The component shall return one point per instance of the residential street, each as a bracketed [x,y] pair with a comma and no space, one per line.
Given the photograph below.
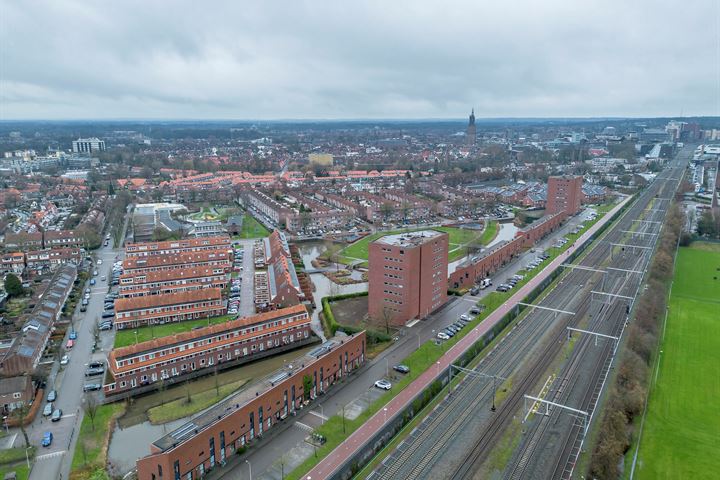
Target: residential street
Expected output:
[68,381]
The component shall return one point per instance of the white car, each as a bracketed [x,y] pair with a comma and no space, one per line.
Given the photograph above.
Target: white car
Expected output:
[383,384]
[465,317]
[65,360]
[99,262]
[443,336]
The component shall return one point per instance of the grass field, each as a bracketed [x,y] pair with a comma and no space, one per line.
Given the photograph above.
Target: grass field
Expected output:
[251,228]
[91,448]
[20,469]
[681,437]
[127,336]
[458,238]
[180,408]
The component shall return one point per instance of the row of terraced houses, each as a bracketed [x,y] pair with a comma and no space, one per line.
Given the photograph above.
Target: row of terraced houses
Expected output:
[184,355]
[172,281]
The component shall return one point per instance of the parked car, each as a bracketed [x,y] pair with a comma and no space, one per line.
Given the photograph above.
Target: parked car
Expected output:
[70,344]
[475,310]
[56,415]
[92,281]
[73,335]
[401,368]
[108,314]
[65,360]
[443,336]
[47,439]
[48,409]
[383,384]
[466,317]
[91,372]
[52,396]
[89,387]
[96,365]
[83,308]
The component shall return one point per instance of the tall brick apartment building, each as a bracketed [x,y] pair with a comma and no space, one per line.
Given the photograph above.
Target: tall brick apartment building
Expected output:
[408,275]
[564,194]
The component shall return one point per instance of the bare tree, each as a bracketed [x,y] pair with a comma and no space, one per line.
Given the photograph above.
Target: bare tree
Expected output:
[161,389]
[20,415]
[91,406]
[387,316]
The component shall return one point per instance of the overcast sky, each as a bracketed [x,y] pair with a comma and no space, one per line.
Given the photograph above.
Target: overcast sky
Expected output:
[270,59]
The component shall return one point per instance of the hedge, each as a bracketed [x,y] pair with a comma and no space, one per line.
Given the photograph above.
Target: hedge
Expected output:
[373,335]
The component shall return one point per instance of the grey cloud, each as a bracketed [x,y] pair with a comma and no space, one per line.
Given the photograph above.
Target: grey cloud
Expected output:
[329,59]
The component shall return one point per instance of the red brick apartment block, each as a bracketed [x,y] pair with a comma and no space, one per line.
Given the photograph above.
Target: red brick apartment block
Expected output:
[132,312]
[564,195]
[408,275]
[177,246]
[179,356]
[171,281]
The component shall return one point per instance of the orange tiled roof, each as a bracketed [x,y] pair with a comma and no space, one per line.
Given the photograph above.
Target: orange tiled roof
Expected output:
[149,301]
[175,259]
[218,328]
[165,275]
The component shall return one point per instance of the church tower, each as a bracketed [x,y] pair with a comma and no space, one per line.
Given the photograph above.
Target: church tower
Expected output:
[471,132]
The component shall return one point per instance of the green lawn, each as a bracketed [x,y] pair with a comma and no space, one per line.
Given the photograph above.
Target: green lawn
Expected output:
[127,336]
[251,228]
[179,408]
[90,450]
[20,469]
[681,437]
[458,238]
[14,455]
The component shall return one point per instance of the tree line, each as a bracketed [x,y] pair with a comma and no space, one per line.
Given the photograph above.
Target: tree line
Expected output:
[626,398]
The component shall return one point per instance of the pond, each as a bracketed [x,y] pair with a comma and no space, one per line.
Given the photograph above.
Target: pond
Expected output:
[324,287]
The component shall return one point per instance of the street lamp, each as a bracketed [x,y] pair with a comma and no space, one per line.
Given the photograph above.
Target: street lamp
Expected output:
[385,413]
[249,467]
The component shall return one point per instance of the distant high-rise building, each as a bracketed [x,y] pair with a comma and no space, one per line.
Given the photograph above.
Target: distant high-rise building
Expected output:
[564,194]
[408,276]
[471,132]
[88,145]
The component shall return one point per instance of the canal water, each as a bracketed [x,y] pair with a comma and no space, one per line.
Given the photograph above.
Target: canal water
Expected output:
[324,287]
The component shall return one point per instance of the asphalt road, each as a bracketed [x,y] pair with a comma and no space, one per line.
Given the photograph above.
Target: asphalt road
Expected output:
[55,461]
[266,454]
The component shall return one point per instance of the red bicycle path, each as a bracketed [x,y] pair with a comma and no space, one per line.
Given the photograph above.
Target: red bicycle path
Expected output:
[350,446]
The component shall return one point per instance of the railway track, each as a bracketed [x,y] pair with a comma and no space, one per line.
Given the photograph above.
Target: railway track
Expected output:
[493,432]
[586,380]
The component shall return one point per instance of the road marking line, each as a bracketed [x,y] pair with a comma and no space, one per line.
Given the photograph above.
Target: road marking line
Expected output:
[69,415]
[302,426]
[50,455]
[318,415]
